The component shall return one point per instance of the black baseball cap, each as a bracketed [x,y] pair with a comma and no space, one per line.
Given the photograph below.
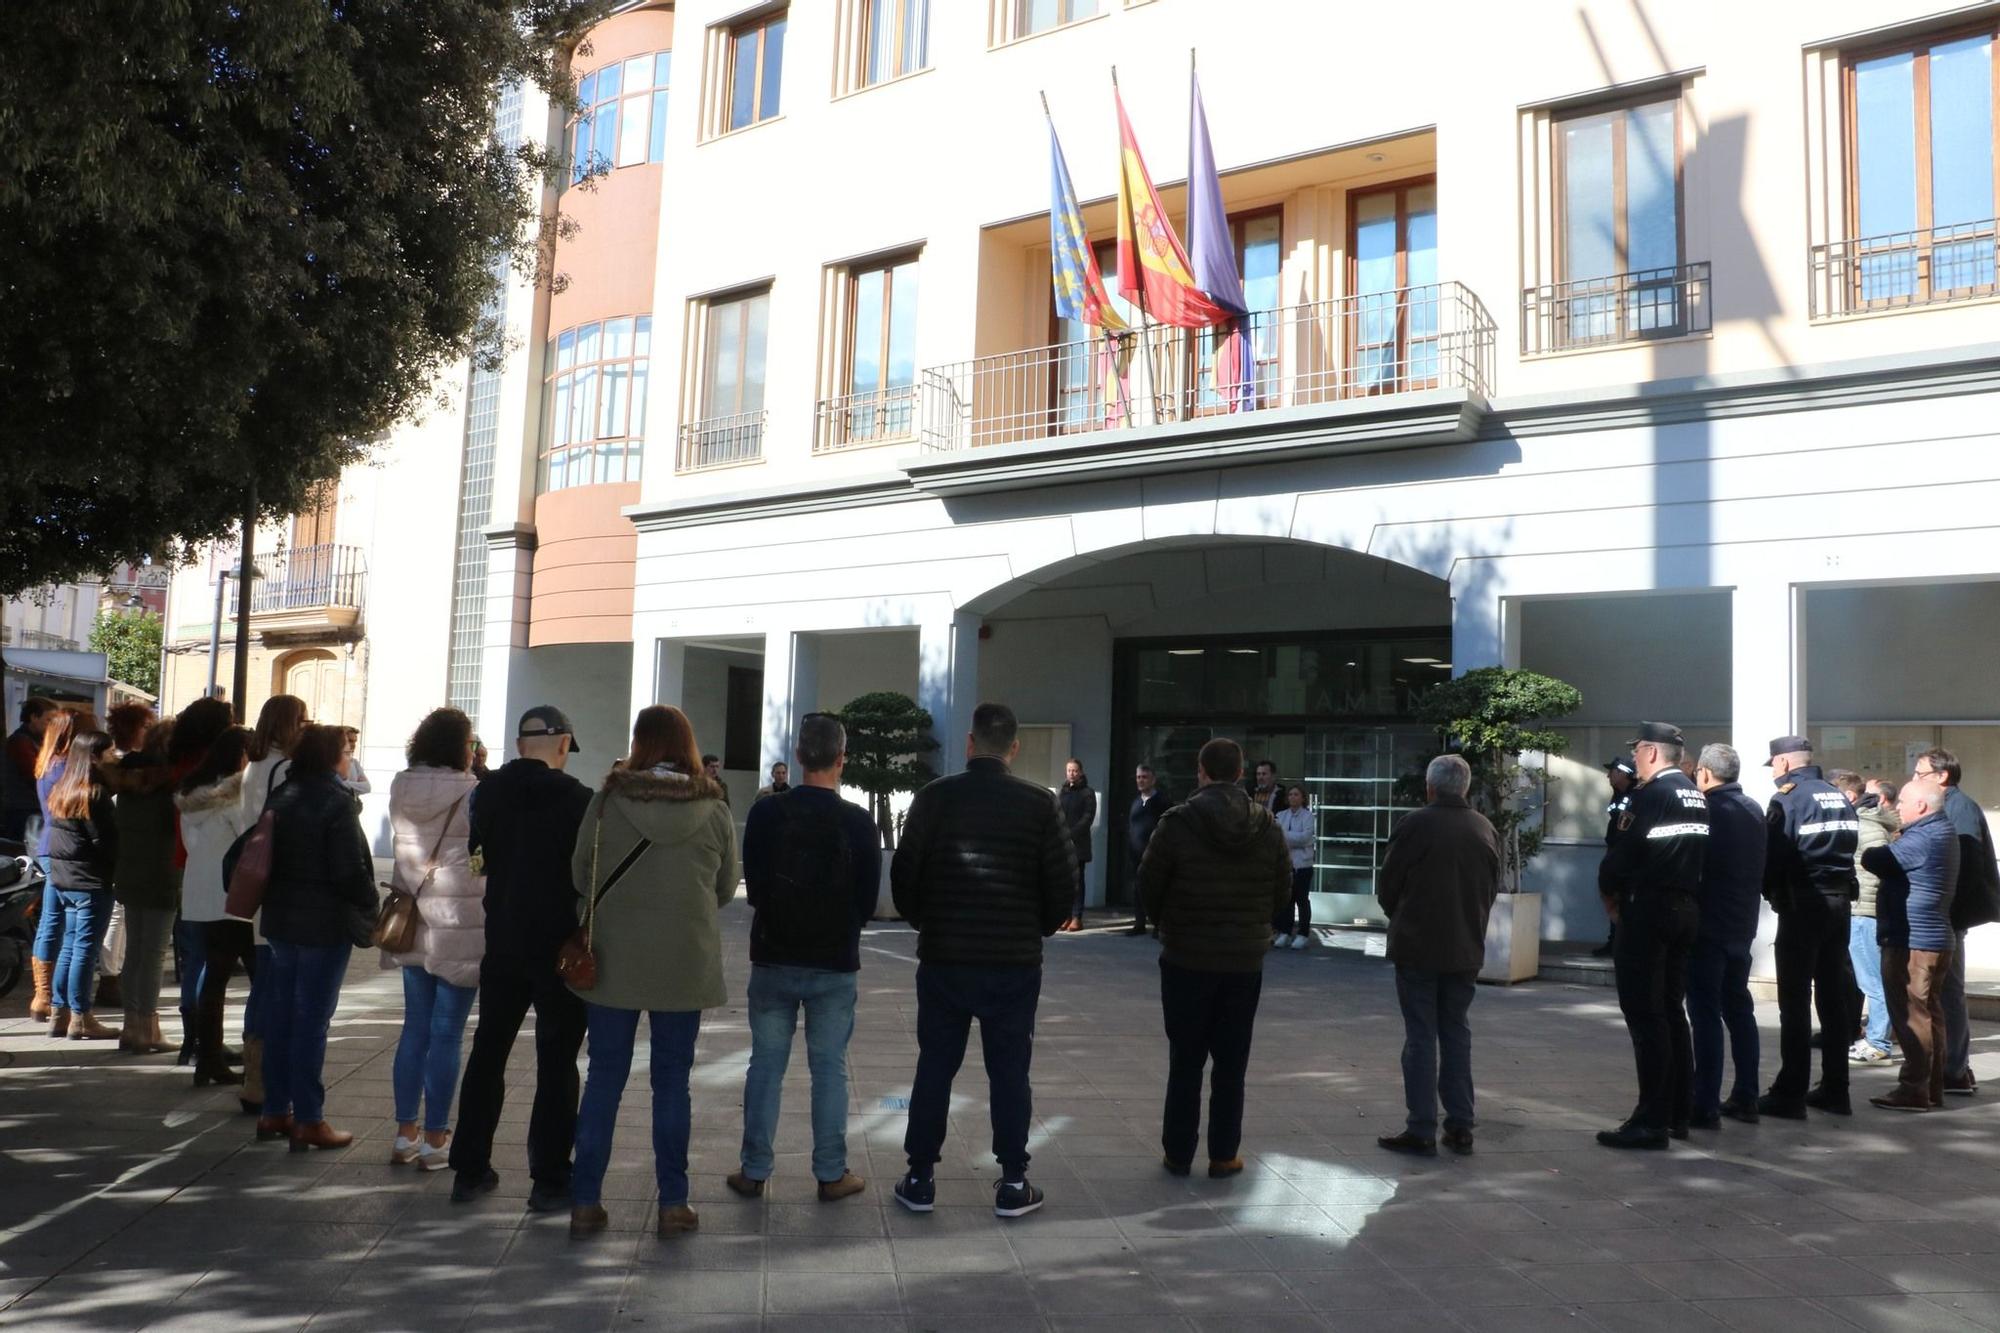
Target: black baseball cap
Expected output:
[1621,764]
[1660,733]
[1788,745]
[548,720]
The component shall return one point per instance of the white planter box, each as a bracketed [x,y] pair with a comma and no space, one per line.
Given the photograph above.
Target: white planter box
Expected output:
[1513,939]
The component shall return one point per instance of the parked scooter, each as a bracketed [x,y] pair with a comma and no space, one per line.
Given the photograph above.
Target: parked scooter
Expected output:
[20,903]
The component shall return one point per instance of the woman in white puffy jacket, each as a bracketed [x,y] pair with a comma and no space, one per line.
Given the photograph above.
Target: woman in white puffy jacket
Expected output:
[210,801]
[430,817]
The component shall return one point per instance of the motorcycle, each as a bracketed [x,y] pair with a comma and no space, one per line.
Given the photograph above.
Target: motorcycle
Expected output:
[20,903]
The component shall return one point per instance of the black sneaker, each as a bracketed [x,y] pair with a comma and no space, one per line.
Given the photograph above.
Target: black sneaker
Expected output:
[1015,1198]
[1780,1107]
[1833,1101]
[551,1198]
[464,1189]
[919,1196]
[1629,1135]
[1744,1111]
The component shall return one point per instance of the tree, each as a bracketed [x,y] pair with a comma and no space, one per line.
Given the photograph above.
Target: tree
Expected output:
[241,241]
[887,737]
[1493,715]
[130,642]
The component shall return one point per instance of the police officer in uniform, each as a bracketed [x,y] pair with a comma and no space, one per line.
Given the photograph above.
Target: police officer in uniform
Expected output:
[1653,873]
[1622,776]
[1809,881]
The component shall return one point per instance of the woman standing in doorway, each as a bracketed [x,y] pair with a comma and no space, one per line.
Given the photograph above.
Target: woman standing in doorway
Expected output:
[662,821]
[1079,812]
[1293,927]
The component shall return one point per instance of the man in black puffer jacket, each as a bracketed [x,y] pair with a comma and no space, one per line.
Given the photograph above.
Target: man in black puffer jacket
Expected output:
[984,873]
[1215,873]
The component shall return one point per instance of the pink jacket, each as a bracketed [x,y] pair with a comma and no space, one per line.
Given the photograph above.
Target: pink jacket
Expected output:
[451,936]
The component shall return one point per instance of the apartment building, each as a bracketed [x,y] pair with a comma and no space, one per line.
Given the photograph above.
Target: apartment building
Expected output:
[1651,346]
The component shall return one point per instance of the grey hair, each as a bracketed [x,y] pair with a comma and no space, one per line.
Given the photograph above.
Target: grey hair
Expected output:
[1721,760]
[1924,794]
[822,740]
[1448,775]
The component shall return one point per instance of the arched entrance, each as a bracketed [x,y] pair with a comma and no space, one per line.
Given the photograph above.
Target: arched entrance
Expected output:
[316,676]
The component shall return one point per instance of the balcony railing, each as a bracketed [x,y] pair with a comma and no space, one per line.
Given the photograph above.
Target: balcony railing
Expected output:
[1906,268]
[721,441]
[1624,307]
[855,420]
[309,577]
[1409,339]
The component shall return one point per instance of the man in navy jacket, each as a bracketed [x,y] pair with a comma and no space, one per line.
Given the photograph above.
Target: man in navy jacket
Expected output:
[1718,995]
[1919,873]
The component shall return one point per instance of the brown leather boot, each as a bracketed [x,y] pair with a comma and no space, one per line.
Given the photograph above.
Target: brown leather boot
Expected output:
[270,1127]
[43,1004]
[319,1134]
[677,1220]
[132,1037]
[59,1022]
[85,1027]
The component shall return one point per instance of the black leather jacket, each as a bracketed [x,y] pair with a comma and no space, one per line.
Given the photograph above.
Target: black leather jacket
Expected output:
[322,877]
[985,869]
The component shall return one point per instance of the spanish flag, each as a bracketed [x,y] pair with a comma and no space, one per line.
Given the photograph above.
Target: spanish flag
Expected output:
[1152,266]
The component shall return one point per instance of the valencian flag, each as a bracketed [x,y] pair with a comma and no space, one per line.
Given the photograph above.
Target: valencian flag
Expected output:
[1079,287]
[1151,264]
[1214,258]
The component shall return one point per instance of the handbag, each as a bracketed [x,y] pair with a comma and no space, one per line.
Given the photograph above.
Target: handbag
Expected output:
[396,924]
[576,961]
[246,866]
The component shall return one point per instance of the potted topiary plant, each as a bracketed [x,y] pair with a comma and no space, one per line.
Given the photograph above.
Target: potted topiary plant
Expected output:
[888,735]
[1492,716]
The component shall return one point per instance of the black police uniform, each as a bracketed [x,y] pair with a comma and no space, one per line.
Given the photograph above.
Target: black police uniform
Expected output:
[1614,810]
[1809,881]
[1653,869]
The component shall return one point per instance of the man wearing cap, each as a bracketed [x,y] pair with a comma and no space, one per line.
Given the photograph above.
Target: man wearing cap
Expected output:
[1622,775]
[1653,873]
[525,818]
[1809,881]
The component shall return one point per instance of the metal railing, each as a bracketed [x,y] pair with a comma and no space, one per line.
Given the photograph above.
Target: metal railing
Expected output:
[1369,345]
[855,420]
[1623,307]
[309,576]
[721,441]
[1906,268]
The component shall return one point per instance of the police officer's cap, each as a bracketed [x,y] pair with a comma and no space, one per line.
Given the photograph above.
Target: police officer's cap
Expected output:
[1658,733]
[1788,745]
[1621,764]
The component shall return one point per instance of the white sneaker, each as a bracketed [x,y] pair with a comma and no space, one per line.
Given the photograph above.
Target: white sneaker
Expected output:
[1301,941]
[1281,941]
[434,1159]
[1867,1053]
[405,1150]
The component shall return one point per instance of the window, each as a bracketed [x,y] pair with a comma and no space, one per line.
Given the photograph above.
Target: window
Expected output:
[1618,231]
[1392,273]
[1033,16]
[1255,238]
[730,428]
[879,389]
[1920,171]
[594,403]
[756,69]
[898,39]
[621,118]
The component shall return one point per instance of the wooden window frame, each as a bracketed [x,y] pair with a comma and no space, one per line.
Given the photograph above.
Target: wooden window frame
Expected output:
[710,342]
[759,28]
[1018,12]
[313,525]
[1918,47]
[1351,332]
[869,9]
[1191,362]
[1620,224]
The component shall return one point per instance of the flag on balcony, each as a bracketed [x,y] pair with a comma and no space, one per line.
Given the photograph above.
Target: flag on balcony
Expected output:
[1079,287]
[1212,248]
[1152,266]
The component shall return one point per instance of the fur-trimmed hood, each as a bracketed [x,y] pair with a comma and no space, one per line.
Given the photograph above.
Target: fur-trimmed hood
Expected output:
[663,805]
[223,791]
[660,784]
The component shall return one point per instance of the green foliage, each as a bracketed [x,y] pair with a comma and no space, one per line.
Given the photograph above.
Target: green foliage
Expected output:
[130,642]
[242,241]
[887,737]
[1492,715]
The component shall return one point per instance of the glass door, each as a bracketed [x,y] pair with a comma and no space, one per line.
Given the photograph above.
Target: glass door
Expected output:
[1392,335]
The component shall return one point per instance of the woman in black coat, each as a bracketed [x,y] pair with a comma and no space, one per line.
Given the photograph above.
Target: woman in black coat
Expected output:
[1079,813]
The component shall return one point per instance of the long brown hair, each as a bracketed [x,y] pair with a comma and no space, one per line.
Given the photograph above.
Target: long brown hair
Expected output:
[279,723]
[662,734]
[70,798]
[59,735]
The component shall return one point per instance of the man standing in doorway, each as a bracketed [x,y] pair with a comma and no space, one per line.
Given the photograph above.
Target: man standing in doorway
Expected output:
[1266,792]
[984,872]
[712,766]
[813,868]
[1622,776]
[781,780]
[1079,813]
[525,818]
[1140,821]
[1653,874]
[1976,902]
[1718,987]
[1809,879]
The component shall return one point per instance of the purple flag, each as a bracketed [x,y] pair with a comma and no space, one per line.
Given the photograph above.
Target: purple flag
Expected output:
[1211,252]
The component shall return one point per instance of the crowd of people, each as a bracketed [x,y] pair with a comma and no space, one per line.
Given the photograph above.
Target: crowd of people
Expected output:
[521,888]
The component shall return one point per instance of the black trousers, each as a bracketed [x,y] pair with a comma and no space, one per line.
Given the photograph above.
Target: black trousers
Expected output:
[1296,916]
[1655,937]
[505,996]
[949,997]
[1210,1017]
[225,943]
[1813,967]
[1138,898]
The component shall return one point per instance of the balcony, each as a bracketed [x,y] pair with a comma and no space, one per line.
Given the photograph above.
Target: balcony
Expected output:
[1898,270]
[1341,350]
[721,442]
[1639,306]
[308,590]
[857,420]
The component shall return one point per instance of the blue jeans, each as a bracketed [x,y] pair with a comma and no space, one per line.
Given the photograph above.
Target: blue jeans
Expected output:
[612,1035]
[304,986]
[191,944]
[1437,1048]
[1718,997]
[1866,954]
[426,1068]
[85,916]
[776,996]
[49,925]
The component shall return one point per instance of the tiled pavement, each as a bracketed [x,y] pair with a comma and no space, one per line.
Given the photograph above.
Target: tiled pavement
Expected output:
[130,1201]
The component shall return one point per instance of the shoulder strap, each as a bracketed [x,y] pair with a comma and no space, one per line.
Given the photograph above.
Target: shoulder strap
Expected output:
[431,865]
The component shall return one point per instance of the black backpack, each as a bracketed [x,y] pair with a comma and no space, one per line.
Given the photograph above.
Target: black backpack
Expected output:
[807,910]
